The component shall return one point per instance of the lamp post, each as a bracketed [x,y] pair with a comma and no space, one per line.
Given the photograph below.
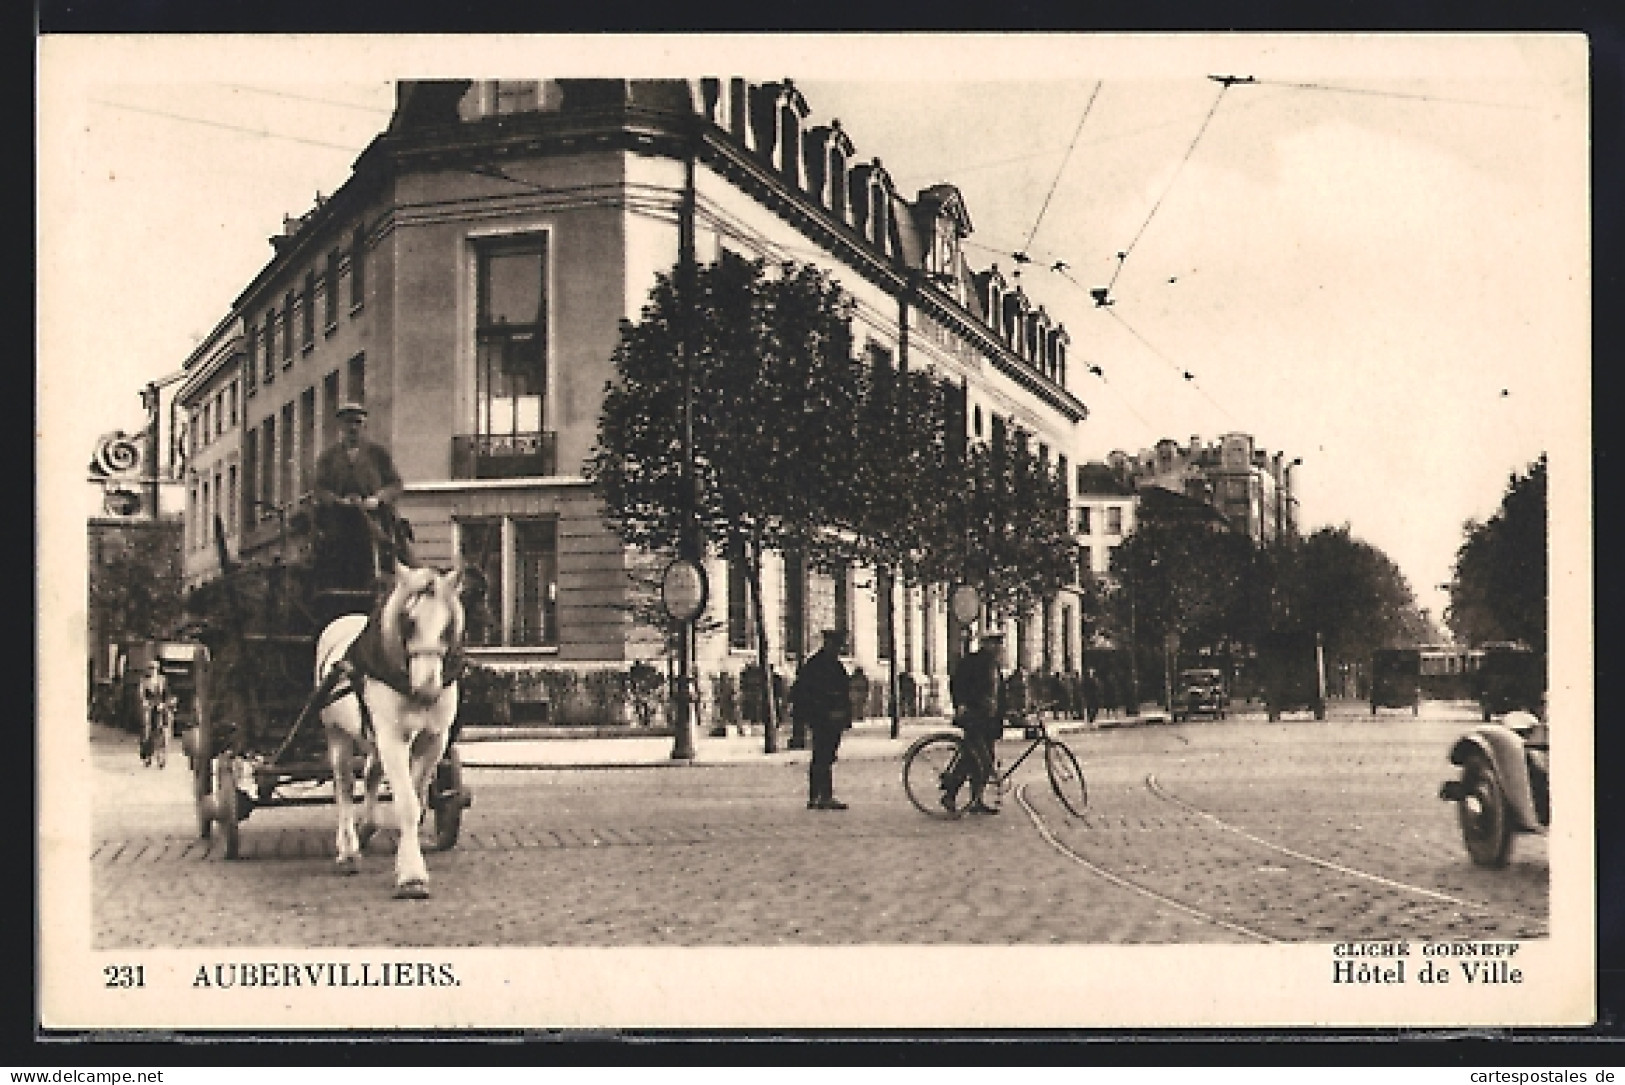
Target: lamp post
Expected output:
[685,577]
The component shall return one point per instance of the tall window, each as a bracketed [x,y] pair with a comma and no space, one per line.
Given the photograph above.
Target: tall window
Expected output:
[795,603]
[739,616]
[883,592]
[330,292]
[251,374]
[355,379]
[843,603]
[536,582]
[480,545]
[193,529]
[1085,520]
[231,499]
[285,482]
[358,268]
[287,328]
[307,312]
[1114,520]
[220,412]
[203,517]
[270,345]
[307,439]
[511,342]
[330,403]
[231,405]
[251,471]
[268,495]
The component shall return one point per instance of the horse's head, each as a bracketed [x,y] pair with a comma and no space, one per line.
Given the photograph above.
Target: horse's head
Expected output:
[423,620]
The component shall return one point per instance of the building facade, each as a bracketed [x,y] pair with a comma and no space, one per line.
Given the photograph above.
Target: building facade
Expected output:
[209,437]
[467,283]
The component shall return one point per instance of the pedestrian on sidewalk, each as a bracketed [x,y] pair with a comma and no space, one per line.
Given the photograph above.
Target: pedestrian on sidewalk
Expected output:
[1091,695]
[821,701]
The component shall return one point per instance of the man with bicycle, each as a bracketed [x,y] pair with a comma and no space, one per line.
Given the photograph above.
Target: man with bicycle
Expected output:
[979,696]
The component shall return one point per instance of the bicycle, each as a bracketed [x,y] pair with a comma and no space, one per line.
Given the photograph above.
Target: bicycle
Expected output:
[931,760]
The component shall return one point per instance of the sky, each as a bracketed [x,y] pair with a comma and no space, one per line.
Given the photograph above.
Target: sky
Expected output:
[1373,258]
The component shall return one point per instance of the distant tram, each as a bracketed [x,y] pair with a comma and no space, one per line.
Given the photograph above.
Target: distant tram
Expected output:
[1449,673]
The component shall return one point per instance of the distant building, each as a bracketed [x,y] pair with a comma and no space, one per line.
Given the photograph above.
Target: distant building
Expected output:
[1229,483]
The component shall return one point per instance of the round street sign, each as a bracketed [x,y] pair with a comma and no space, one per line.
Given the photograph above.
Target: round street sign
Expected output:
[684,590]
[965,602]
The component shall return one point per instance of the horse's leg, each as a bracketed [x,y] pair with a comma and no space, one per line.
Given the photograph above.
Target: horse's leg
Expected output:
[374,778]
[411,875]
[427,749]
[340,749]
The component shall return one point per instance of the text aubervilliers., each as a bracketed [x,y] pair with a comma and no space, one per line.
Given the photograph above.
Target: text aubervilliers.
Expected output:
[244,974]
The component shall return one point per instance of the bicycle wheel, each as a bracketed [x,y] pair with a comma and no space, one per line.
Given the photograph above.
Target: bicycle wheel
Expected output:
[1066,777]
[926,766]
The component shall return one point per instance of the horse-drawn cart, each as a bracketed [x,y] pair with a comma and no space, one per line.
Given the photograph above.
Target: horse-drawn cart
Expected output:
[260,741]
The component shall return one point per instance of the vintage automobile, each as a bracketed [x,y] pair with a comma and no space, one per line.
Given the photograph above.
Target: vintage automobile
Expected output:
[1504,786]
[1511,677]
[1201,691]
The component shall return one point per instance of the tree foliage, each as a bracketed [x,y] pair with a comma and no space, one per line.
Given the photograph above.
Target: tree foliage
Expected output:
[1498,587]
[1350,593]
[136,587]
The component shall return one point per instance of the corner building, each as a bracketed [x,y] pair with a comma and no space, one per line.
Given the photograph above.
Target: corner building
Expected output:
[467,283]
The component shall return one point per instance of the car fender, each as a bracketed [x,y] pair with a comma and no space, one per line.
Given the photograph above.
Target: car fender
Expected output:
[1505,751]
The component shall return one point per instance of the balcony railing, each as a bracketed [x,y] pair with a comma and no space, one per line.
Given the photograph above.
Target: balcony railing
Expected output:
[504,455]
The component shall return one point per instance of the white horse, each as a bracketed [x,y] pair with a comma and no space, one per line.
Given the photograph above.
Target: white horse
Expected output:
[400,671]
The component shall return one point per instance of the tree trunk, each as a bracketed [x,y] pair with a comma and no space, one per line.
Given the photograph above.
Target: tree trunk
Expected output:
[770,707]
[891,641]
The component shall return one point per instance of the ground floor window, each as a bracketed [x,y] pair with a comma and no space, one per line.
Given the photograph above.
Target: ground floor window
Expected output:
[739,616]
[517,558]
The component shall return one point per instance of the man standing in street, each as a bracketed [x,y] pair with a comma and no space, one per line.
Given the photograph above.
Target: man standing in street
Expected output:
[978,692]
[821,696]
[357,486]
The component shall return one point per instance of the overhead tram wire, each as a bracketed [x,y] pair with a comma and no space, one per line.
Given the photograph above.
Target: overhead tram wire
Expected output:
[377,110]
[1027,247]
[1225,82]
[1189,377]
[1388,94]
[263,134]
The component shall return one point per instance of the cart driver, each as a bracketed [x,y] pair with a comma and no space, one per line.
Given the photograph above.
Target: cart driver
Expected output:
[357,487]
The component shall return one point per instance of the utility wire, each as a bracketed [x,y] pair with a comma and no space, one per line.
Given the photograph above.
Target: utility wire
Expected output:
[1062,167]
[306,98]
[1391,94]
[1123,256]
[228,127]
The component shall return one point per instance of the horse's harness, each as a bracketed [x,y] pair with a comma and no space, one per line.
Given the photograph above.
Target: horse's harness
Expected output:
[366,658]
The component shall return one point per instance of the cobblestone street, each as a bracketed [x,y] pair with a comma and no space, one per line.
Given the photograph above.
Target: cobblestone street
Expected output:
[1235,831]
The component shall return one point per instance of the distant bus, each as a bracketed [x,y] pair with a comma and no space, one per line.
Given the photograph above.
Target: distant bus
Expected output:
[1449,673]
[1511,677]
[1396,679]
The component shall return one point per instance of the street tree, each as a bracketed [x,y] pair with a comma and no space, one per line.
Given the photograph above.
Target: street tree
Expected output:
[775,390]
[1182,582]
[1498,587]
[1013,539]
[1349,593]
[889,512]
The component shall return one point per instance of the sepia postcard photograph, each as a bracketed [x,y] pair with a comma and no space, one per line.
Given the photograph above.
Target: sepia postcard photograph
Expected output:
[857,532]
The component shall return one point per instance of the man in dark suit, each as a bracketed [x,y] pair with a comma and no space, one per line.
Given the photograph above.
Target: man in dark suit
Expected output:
[821,698]
[978,692]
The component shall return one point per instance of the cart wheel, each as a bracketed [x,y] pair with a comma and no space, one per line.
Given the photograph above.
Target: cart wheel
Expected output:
[1483,813]
[225,804]
[448,800]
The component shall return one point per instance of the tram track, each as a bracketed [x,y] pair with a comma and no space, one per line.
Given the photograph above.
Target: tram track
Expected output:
[1360,892]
